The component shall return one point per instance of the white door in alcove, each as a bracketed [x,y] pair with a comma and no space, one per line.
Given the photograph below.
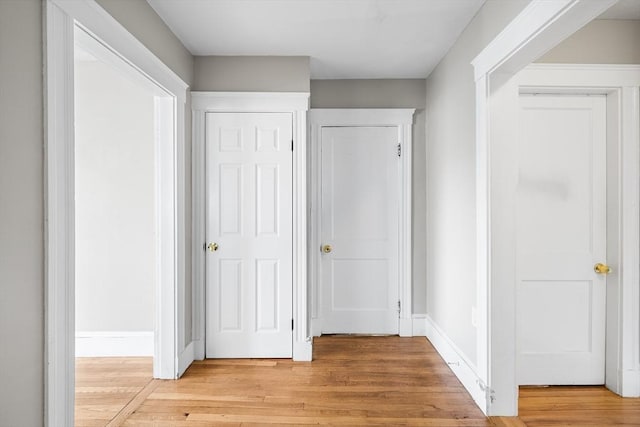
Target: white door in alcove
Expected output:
[561,235]
[249,235]
[360,229]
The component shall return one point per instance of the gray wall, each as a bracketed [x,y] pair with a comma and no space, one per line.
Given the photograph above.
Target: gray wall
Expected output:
[405,93]
[450,117]
[252,73]
[22,192]
[600,42]
[145,24]
[21,215]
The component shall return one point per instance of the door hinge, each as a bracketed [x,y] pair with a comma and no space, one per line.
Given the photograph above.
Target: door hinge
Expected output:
[399,307]
[292,324]
[399,150]
[292,145]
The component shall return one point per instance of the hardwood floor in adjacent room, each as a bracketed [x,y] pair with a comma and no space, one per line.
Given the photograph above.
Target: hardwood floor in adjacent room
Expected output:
[105,386]
[576,406]
[354,381]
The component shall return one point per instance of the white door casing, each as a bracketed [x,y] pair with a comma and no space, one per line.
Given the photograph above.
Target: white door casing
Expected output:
[401,121]
[296,104]
[539,27]
[359,221]
[249,220]
[62,17]
[560,236]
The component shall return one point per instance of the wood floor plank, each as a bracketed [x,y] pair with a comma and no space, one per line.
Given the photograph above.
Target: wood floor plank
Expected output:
[506,422]
[576,406]
[134,404]
[104,386]
[352,381]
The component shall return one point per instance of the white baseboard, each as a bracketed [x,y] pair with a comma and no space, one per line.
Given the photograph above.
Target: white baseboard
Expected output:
[316,327]
[458,363]
[198,349]
[405,327]
[114,343]
[630,381]
[186,358]
[303,351]
[419,325]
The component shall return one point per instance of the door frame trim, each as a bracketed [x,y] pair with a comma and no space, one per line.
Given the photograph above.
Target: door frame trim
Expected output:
[296,103]
[402,118]
[621,85]
[539,27]
[60,21]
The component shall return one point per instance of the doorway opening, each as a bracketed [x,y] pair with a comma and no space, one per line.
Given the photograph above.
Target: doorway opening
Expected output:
[119,132]
[115,232]
[497,93]
[609,94]
[83,23]
[115,219]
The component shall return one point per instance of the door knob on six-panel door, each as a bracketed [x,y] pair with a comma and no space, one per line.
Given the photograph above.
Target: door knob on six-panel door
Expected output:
[601,268]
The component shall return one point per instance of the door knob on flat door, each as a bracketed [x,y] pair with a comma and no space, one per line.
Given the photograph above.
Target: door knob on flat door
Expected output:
[326,249]
[601,268]
[212,247]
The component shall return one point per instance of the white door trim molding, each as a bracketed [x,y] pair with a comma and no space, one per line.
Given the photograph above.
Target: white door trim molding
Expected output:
[61,19]
[620,83]
[296,103]
[402,118]
[538,28]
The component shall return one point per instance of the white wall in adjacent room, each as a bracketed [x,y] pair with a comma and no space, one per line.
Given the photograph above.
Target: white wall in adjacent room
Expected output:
[115,213]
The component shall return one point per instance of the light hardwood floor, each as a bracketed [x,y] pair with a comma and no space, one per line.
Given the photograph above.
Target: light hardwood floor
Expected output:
[104,386]
[578,406]
[352,381]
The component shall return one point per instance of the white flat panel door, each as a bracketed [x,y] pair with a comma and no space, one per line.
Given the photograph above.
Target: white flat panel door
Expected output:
[561,235]
[359,221]
[249,218]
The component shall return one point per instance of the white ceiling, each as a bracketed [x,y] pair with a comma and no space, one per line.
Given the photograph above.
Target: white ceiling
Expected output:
[624,9]
[344,38]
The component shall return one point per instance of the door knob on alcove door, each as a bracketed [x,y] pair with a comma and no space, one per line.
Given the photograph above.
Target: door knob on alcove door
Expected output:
[212,247]
[601,268]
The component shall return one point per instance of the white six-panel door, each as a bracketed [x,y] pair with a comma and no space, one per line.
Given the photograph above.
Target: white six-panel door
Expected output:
[249,235]
[359,229]
[561,235]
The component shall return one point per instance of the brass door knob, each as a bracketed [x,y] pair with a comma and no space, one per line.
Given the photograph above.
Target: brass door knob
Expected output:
[212,247]
[601,268]
[326,249]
